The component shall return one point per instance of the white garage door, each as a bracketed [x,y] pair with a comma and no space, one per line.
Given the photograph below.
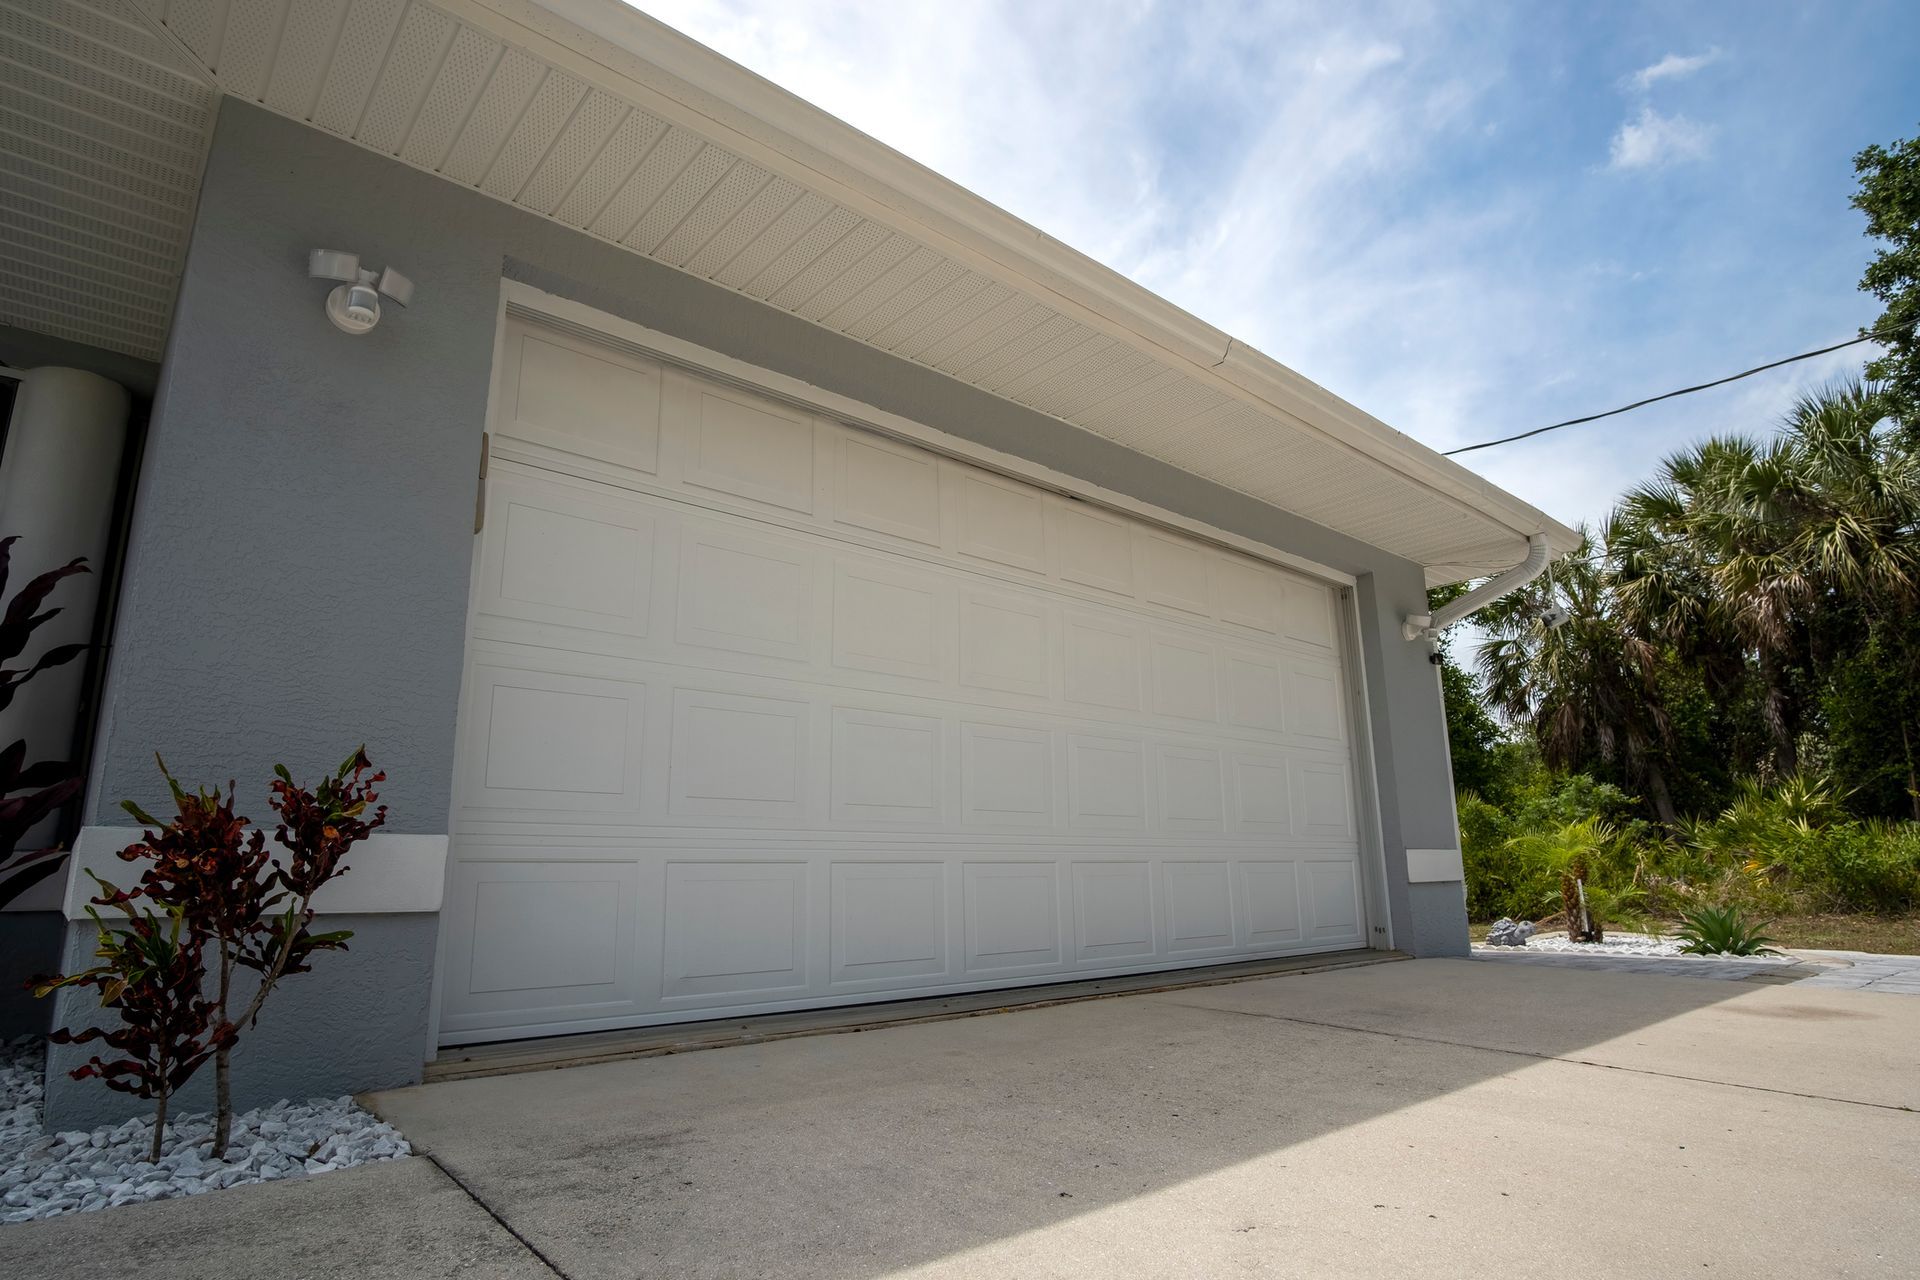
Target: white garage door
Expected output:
[763,711]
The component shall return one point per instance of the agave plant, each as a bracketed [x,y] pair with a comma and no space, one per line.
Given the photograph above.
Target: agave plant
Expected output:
[1723,931]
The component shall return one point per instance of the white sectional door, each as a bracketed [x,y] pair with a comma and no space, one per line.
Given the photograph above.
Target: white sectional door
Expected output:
[763,711]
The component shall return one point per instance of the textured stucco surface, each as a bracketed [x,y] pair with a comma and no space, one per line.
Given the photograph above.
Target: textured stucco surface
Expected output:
[357,1021]
[301,546]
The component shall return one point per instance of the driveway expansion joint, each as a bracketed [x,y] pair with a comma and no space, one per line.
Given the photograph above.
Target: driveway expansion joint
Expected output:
[1543,1057]
[491,1212]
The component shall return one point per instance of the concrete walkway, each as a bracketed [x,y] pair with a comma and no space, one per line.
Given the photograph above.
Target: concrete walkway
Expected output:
[1429,1118]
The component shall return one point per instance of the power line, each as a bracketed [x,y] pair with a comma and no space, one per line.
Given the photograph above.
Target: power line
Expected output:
[1684,391]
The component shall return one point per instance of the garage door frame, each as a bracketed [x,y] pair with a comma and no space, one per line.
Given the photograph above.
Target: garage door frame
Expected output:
[526,303]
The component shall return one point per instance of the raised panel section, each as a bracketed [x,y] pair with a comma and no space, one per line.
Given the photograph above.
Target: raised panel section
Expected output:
[1246,594]
[586,400]
[558,557]
[1105,783]
[887,621]
[1253,690]
[560,929]
[1094,550]
[1333,899]
[1003,644]
[888,489]
[1175,574]
[889,920]
[1012,914]
[1322,800]
[552,742]
[1273,903]
[1262,793]
[734,927]
[1311,700]
[1199,906]
[1006,776]
[1182,679]
[999,522]
[1112,910]
[1102,662]
[738,756]
[1192,797]
[1307,611]
[752,448]
[745,594]
[886,768]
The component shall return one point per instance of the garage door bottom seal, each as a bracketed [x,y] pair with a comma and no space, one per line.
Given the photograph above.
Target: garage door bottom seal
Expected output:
[511,1057]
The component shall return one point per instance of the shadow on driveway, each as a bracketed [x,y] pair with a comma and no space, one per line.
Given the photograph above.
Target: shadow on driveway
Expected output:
[1424,1118]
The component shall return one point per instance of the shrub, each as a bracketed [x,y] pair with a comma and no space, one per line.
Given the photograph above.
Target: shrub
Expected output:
[29,792]
[1723,931]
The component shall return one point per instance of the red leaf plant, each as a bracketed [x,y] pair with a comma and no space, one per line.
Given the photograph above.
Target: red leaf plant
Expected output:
[215,874]
[153,974]
[29,792]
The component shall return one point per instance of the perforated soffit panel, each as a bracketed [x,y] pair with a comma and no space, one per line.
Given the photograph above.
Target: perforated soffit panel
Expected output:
[103,133]
[415,82]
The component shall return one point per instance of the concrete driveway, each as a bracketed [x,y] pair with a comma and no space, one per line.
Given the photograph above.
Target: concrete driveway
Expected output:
[1432,1118]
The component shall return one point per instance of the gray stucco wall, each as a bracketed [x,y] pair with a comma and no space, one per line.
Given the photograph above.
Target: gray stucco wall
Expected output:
[301,549]
[358,1021]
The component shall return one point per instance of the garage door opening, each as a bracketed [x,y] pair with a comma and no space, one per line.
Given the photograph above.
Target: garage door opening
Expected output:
[763,712]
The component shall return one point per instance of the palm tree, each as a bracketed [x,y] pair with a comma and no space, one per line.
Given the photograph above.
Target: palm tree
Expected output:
[1570,853]
[1730,549]
[1587,689]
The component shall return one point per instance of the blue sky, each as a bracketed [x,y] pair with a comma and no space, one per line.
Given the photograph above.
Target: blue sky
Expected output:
[1468,220]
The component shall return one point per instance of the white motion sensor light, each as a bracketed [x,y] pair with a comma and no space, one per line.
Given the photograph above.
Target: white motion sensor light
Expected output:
[354,304]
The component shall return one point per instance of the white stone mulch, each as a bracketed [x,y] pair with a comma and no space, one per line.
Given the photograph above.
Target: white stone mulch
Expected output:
[46,1174]
[1650,945]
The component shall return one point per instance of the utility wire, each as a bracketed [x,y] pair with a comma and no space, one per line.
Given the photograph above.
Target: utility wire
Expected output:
[1684,391]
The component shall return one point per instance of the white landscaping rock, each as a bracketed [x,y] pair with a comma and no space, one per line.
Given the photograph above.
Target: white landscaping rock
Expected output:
[1630,944]
[43,1175]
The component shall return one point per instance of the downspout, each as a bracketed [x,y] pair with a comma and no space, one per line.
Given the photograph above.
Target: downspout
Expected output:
[1421,626]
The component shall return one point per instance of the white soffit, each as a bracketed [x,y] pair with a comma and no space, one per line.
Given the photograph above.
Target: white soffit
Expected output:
[593,115]
[103,131]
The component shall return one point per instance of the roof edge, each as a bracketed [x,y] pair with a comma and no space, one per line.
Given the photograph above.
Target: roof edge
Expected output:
[696,85]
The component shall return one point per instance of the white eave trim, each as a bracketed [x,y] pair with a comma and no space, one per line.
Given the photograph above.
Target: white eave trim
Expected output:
[630,54]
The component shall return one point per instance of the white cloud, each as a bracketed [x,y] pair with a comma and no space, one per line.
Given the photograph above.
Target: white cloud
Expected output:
[1674,66]
[1653,141]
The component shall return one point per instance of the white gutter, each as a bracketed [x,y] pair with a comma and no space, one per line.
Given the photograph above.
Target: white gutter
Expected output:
[1422,626]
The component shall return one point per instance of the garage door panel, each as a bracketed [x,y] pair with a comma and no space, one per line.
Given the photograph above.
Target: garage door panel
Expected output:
[805,715]
[1012,915]
[737,756]
[583,399]
[1113,911]
[543,741]
[889,489]
[752,595]
[1333,899]
[535,935]
[1199,906]
[734,928]
[740,444]
[561,559]
[890,621]
[888,768]
[889,922]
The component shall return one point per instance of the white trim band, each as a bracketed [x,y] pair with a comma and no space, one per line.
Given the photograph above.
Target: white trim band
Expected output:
[1431,866]
[387,874]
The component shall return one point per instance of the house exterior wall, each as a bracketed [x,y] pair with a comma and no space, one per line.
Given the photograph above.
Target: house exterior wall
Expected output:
[301,550]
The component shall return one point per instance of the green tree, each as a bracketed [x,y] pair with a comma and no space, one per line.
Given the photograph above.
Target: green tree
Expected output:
[1587,690]
[1473,735]
[1889,194]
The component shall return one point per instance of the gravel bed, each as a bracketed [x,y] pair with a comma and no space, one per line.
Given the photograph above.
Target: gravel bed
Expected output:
[1626,944]
[43,1175]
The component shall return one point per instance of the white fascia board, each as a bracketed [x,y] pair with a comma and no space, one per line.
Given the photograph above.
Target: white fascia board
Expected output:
[624,51]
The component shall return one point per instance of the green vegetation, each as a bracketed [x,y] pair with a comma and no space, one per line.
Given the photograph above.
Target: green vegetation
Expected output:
[1723,931]
[1728,723]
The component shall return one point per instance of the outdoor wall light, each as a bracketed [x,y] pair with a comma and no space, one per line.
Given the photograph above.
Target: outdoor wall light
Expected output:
[354,304]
